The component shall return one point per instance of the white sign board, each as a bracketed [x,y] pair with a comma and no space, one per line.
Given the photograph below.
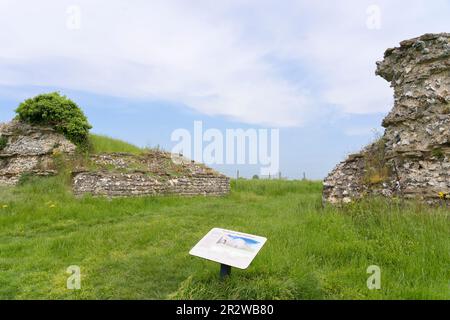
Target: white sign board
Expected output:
[228,247]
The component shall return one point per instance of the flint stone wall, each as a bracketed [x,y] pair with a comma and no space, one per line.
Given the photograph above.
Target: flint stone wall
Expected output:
[139,184]
[29,149]
[416,142]
[153,173]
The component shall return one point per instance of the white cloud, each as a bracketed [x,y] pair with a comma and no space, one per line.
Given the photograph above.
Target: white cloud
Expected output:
[228,58]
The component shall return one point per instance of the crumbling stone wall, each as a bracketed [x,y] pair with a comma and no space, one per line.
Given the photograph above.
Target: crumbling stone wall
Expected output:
[103,183]
[153,173]
[415,148]
[29,149]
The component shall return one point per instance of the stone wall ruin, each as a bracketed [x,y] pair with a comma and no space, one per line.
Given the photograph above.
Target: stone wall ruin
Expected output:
[412,159]
[27,149]
[154,173]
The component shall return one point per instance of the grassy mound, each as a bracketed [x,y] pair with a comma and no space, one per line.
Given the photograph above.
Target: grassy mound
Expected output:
[105,144]
[137,248]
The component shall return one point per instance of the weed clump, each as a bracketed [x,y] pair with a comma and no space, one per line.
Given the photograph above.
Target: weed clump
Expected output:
[377,168]
[3,142]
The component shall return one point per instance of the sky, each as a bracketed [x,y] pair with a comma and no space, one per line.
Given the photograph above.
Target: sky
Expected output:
[142,69]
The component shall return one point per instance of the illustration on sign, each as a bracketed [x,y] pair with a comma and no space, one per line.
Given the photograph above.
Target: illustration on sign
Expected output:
[228,247]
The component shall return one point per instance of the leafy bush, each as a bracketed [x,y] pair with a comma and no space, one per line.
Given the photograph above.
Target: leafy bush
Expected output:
[59,112]
[3,142]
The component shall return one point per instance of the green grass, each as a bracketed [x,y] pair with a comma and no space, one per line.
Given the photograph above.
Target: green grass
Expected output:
[104,144]
[138,248]
[3,142]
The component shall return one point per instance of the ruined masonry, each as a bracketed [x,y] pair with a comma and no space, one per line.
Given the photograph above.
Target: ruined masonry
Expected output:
[29,149]
[412,159]
[152,173]
[26,149]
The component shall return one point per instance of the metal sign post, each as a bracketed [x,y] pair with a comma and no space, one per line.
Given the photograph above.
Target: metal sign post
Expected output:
[225,271]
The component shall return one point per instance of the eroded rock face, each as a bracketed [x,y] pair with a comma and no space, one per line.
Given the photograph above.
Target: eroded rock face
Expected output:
[29,149]
[412,160]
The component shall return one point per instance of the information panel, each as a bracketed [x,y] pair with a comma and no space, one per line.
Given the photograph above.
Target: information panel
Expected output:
[228,247]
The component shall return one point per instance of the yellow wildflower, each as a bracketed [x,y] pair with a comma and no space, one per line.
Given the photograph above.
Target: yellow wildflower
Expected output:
[50,204]
[443,195]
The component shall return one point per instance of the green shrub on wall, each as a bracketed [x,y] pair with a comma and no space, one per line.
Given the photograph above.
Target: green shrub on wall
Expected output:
[59,112]
[3,142]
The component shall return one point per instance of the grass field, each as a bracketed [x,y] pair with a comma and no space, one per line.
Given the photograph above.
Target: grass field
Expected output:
[138,248]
